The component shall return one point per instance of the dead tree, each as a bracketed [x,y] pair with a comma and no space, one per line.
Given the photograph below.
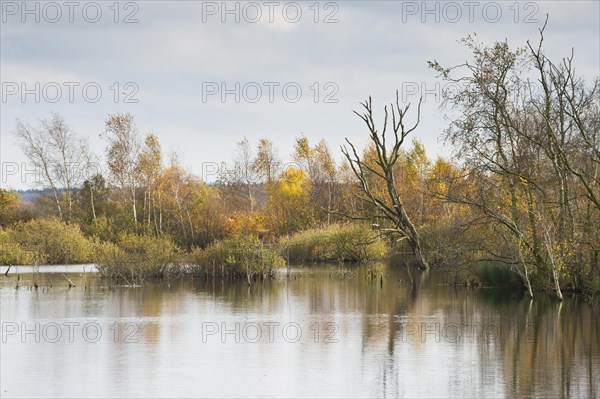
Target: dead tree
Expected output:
[390,208]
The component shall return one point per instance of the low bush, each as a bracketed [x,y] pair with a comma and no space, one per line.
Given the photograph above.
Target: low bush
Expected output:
[11,253]
[51,241]
[334,243]
[237,257]
[134,258]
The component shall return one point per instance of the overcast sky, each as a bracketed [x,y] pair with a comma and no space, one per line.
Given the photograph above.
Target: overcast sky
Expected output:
[176,58]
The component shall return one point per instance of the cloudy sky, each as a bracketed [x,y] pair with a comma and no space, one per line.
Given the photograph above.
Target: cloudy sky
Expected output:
[201,75]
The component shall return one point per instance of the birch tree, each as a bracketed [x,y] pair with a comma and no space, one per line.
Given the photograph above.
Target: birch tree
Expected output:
[122,155]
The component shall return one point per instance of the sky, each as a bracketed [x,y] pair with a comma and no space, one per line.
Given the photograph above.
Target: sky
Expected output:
[202,75]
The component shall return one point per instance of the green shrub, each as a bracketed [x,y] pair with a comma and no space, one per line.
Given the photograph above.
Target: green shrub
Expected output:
[51,241]
[100,229]
[237,257]
[134,258]
[334,243]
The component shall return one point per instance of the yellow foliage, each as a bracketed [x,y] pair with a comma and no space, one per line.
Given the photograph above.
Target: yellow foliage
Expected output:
[293,182]
[247,224]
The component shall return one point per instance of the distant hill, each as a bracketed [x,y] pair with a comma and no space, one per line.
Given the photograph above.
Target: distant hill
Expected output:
[27,197]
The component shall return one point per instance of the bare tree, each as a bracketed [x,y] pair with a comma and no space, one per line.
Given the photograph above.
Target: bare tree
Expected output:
[35,148]
[66,150]
[390,206]
[244,173]
[91,174]
[56,152]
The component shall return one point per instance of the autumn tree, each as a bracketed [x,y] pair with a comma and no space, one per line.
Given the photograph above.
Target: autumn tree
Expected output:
[182,194]
[93,195]
[529,156]
[319,165]
[266,163]
[122,155]
[149,168]
[288,204]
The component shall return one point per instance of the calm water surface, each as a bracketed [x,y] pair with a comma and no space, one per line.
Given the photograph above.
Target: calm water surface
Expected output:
[320,333]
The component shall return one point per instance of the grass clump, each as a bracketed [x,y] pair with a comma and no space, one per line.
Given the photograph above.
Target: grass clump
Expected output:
[497,275]
[334,243]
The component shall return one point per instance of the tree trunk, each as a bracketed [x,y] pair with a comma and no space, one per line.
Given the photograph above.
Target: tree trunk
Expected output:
[57,200]
[92,203]
[553,266]
[415,245]
[133,203]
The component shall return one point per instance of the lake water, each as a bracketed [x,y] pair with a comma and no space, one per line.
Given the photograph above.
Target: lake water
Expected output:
[321,333]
